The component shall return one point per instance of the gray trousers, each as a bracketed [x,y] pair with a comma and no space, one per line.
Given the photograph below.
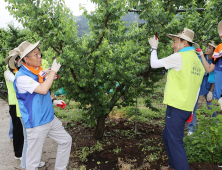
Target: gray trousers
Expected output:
[36,137]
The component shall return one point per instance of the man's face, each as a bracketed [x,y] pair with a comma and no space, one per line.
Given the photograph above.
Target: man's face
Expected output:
[209,50]
[178,44]
[34,59]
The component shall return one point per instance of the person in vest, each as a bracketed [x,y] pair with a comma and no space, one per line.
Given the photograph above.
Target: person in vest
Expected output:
[182,88]
[207,86]
[36,106]
[45,66]
[216,67]
[13,103]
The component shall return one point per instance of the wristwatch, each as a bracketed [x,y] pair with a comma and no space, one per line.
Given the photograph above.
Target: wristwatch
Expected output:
[53,100]
[153,49]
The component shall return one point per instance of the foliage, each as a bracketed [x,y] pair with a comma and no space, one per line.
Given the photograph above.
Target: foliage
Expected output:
[10,38]
[195,153]
[91,65]
[83,27]
[208,134]
[89,150]
[111,53]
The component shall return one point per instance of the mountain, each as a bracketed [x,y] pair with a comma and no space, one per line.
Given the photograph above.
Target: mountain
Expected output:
[83,27]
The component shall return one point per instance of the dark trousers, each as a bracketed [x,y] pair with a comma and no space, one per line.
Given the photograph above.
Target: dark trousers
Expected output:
[18,138]
[173,138]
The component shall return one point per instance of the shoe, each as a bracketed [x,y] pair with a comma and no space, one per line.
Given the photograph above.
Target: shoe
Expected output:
[20,158]
[166,168]
[11,139]
[189,133]
[41,164]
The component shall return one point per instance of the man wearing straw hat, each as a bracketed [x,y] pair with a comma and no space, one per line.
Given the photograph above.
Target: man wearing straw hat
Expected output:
[182,88]
[14,111]
[215,66]
[32,91]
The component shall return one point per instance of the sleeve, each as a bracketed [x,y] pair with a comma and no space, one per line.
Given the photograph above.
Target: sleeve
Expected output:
[154,62]
[9,76]
[26,84]
[218,51]
[173,61]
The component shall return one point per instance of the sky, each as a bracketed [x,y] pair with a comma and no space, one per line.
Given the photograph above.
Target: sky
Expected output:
[5,17]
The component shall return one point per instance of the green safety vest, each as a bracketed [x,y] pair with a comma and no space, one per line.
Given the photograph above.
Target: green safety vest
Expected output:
[182,86]
[12,99]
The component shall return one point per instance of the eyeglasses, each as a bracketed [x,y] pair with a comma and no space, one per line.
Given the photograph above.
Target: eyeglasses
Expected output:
[39,54]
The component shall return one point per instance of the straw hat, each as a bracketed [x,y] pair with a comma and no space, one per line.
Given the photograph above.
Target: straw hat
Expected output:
[11,62]
[26,47]
[11,54]
[187,35]
[212,44]
[219,28]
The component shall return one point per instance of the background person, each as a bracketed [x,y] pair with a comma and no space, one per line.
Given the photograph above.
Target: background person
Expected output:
[216,67]
[36,107]
[180,94]
[206,88]
[14,111]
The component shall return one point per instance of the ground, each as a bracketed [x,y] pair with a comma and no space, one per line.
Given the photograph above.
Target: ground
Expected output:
[121,148]
[7,160]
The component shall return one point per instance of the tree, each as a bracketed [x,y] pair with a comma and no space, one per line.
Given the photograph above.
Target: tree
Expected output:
[9,39]
[111,56]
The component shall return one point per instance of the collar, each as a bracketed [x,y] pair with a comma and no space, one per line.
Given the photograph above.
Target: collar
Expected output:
[185,49]
[36,72]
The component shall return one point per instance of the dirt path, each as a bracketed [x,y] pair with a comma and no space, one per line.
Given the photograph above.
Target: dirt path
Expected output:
[7,161]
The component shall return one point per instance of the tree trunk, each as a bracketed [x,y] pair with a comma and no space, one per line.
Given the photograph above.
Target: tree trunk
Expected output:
[100,127]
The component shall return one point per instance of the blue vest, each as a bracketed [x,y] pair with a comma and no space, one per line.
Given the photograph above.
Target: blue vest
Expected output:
[36,109]
[218,79]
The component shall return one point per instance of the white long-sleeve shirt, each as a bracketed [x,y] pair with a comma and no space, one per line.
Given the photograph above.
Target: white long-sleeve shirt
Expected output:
[173,61]
[9,76]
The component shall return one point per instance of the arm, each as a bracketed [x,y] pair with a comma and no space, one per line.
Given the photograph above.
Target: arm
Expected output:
[173,61]
[154,62]
[212,87]
[9,76]
[208,67]
[45,86]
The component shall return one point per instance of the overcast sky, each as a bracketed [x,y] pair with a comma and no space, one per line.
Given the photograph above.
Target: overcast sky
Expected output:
[5,17]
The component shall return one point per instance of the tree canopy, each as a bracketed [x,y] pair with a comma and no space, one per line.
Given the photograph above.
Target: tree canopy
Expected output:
[113,55]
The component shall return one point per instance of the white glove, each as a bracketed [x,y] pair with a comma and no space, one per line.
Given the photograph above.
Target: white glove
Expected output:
[55,102]
[153,41]
[220,101]
[55,66]
[209,96]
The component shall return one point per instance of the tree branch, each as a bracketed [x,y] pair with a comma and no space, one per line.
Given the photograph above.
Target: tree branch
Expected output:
[50,45]
[73,74]
[55,50]
[100,40]
[61,46]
